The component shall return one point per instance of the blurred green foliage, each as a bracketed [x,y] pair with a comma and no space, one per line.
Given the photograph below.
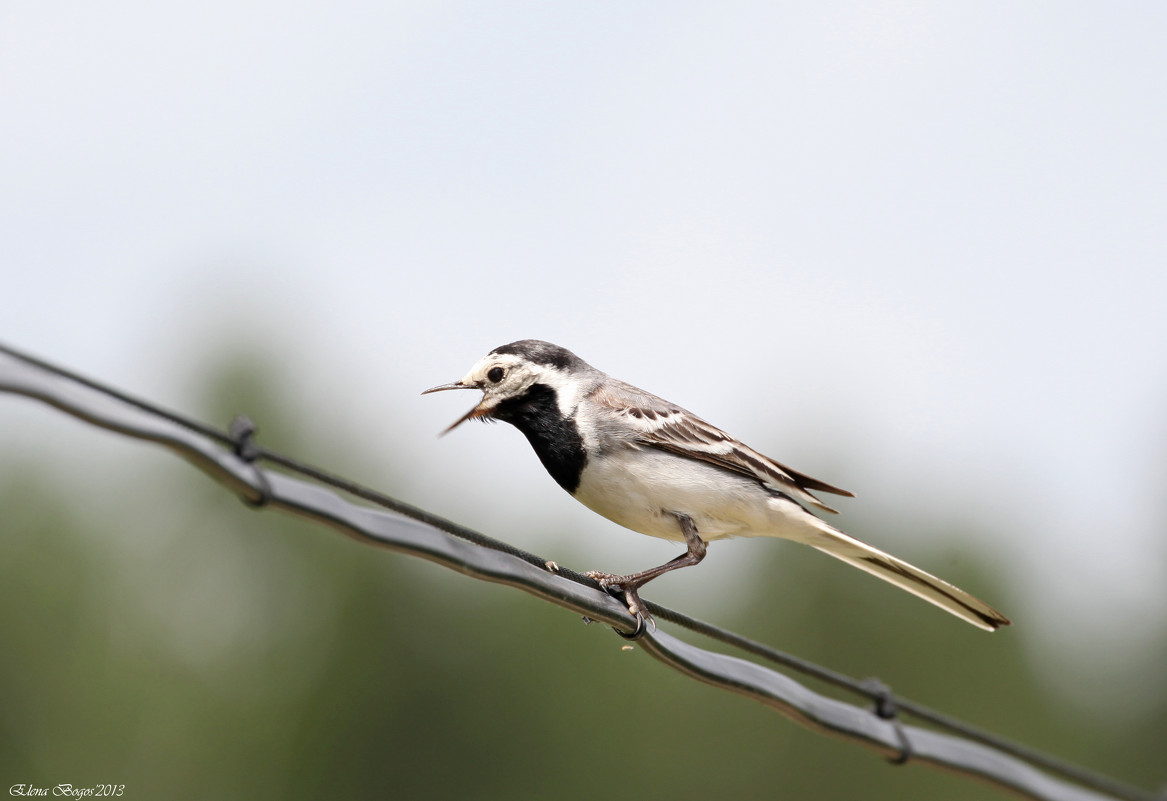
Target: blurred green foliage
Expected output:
[187,647]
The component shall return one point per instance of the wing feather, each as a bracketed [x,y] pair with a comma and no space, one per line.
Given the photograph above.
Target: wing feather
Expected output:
[663,425]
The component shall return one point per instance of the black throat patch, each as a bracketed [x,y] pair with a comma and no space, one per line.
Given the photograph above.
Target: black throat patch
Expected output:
[555,438]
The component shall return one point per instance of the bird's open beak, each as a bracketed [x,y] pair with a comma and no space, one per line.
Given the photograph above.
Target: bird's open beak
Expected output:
[478,411]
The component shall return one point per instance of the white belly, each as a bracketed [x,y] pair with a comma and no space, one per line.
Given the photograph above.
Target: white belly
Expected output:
[644,490]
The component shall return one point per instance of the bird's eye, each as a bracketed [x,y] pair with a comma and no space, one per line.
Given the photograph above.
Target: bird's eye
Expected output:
[495,375]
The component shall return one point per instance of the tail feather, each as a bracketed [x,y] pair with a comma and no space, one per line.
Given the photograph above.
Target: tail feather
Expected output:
[859,554]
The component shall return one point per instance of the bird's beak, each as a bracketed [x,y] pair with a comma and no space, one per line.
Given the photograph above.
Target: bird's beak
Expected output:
[478,411]
[444,387]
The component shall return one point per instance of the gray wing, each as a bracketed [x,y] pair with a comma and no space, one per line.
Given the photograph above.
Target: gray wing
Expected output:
[660,424]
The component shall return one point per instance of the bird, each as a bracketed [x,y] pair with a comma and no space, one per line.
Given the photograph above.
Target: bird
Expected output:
[658,469]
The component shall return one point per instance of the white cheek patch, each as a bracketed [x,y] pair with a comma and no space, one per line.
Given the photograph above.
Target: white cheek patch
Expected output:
[519,376]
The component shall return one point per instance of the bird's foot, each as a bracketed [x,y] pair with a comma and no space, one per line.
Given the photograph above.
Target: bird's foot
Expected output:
[621,587]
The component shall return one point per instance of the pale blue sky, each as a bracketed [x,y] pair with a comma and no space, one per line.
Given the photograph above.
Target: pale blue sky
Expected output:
[916,248]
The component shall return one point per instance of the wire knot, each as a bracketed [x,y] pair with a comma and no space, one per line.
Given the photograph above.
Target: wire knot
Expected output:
[887,709]
[242,431]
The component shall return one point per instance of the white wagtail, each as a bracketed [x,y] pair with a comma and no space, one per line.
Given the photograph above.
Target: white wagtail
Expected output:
[656,468]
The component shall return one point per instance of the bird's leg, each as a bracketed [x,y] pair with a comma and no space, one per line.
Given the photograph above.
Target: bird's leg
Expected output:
[628,585]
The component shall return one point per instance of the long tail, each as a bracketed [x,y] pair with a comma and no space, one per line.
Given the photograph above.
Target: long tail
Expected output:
[830,540]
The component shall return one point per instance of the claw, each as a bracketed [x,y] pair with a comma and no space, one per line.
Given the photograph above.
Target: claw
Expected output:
[637,609]
[621,587]
[635,635]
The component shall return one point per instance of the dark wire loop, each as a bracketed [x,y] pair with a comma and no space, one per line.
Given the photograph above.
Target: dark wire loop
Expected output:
[887,709]
[242,431]
[641,627]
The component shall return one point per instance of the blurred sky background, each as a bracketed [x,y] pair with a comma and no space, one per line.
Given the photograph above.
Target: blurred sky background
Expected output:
[916,249]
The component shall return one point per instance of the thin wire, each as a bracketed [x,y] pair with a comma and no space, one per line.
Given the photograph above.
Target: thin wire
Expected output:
[939,719]
[862,688]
